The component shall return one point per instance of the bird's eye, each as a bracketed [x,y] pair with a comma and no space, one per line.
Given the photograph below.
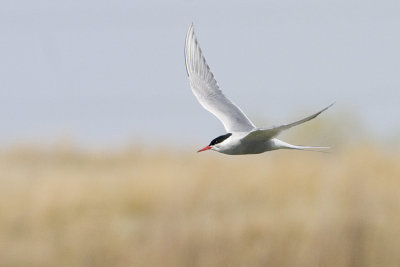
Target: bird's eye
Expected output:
[219,139]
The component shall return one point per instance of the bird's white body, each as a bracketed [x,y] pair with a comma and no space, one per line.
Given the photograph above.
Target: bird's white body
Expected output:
[235,145]
[242,137]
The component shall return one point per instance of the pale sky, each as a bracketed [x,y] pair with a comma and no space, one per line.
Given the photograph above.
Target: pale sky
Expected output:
[109,72]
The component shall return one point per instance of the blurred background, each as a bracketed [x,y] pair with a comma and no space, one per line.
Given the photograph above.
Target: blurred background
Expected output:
[100,128]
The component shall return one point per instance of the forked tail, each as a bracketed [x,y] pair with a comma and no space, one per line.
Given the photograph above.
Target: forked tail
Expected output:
[283,145]
[323,149]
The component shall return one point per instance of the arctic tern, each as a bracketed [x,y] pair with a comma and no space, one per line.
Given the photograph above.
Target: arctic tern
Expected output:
[242,136]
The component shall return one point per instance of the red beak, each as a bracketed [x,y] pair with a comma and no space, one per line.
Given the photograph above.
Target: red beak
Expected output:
[203,149]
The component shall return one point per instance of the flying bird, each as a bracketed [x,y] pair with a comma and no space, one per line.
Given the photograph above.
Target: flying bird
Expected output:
[242,136]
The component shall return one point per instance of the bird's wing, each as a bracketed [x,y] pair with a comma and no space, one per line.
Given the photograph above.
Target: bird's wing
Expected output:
[206,89]
[265,134]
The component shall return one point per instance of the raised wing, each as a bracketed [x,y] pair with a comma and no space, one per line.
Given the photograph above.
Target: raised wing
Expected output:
[265,134]
[207,91]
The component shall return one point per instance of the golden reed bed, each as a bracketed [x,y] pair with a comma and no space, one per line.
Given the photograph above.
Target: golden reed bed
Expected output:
[66,207]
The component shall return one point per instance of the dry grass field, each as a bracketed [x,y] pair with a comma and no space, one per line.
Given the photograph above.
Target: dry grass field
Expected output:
[67,207]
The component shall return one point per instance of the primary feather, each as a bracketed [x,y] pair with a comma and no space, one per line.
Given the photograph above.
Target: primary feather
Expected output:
[206,89]
[264,134]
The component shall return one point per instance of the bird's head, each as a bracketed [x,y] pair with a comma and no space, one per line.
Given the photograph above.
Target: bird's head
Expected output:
[217,143]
